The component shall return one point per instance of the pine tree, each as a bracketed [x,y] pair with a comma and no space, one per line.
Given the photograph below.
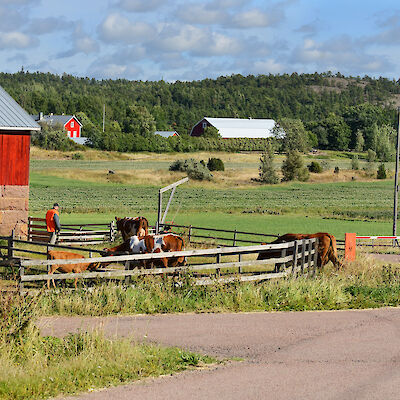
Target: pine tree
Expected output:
[293,167]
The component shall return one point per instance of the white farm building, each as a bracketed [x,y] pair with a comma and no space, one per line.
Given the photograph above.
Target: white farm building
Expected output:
[230,128]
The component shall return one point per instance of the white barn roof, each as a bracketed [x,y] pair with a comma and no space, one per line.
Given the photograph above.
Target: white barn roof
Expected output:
[242,128]
[13,116]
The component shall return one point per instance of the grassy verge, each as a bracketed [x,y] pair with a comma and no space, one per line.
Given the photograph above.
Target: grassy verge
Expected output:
[35,367]
[360,285]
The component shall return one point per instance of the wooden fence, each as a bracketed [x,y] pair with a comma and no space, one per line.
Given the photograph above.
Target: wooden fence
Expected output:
[296,257]
[223,237]
[72,234]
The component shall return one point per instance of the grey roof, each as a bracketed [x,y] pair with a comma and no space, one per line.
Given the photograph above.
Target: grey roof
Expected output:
[81,140]
[53,120]
[243,128]
[13,116]
[166,134]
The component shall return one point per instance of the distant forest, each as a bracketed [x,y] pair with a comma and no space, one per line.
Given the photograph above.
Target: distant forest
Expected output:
[337,112]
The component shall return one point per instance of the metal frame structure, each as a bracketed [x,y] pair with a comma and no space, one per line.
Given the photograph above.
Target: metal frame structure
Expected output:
[160,216]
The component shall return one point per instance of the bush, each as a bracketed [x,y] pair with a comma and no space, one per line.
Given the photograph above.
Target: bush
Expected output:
[215,164]
[381,173]
[293,167]
[77,156]
[195,169]
[267,173]
[336,170]
[315,167]
[371,155]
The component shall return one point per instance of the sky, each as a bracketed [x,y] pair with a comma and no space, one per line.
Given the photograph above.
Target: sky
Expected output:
[192,40]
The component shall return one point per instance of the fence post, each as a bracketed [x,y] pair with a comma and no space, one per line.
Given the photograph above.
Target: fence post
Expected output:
[295,257]
[127,268]
[10,249]
[350,246]
[309,256]
[21,283]
[218,260]
[303,255]
[113,231]
[234,238]
[315,255]
[29,229]
[190,233]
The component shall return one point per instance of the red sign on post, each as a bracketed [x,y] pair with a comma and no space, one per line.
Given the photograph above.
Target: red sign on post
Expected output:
[350,246]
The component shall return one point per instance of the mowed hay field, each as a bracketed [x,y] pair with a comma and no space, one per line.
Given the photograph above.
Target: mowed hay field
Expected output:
[351,201]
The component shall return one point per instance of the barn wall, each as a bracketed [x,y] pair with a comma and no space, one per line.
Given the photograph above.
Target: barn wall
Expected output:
[14,158]
[198,130]
[14,182]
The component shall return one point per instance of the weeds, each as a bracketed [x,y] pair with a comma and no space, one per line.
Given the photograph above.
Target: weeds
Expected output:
[32,366]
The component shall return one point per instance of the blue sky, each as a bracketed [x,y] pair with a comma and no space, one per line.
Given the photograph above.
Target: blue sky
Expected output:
[191,40]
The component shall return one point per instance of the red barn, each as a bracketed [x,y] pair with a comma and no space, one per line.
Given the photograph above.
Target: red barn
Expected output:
[69,122]
[15,134]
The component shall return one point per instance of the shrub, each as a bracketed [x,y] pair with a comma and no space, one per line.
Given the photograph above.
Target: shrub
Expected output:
[293,167]
[354,163]
[336,170]
[315,167]
[77,156]
[195,169]
[381,173]
[215,164]
[371,155]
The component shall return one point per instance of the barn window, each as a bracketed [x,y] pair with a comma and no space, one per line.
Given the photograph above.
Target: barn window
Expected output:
[204,125]
[72,124]
[75,133]
[69,133]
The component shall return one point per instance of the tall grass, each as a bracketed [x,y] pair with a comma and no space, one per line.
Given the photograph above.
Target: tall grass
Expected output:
[35,367]
[359,285]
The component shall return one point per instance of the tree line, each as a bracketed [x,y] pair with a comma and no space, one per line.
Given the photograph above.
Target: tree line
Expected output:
[329,110]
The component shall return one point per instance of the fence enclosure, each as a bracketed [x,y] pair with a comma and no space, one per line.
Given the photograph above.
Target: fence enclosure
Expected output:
[295,257]
[72,234]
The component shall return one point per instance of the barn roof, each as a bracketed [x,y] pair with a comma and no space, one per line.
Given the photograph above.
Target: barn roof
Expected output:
[242,128]
[166,134]
[13,116]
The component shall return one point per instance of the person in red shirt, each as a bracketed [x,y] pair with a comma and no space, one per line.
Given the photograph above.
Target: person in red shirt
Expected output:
[53,222]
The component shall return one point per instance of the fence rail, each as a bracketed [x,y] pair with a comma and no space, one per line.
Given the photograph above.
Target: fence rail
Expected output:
[233,237]
[72,233]
[297,256]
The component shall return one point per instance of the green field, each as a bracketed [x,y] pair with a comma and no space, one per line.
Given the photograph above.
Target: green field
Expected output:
[363,207]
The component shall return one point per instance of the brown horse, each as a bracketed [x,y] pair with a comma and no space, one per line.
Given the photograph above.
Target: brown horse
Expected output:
[68,268]
[327,250]
[152,244]
[132,226]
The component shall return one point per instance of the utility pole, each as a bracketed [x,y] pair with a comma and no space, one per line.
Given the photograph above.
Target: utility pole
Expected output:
[396,176]
[104,116]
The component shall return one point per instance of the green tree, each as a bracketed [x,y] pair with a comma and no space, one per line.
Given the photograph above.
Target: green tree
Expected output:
[139,121]
[359,141]
[385,145]
[293,167]
[355,165]
[267,173]
[338,132]
[211,132]
[291,135]
[381,173]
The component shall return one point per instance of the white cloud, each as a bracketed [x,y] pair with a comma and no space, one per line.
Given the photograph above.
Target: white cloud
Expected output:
[339,54]
[117,28]
[140,5]
[81,43]
[113,71]
[204,14]
[42,26]
[16,40]
[269,66]
[254,18]
[196,41]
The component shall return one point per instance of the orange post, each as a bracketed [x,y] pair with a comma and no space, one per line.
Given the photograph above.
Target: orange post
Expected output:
[350,247]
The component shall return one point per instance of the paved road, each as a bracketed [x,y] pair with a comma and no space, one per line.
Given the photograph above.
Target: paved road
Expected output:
[302,355]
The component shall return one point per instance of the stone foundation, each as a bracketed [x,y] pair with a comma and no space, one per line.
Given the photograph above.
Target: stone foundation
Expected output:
[14,202]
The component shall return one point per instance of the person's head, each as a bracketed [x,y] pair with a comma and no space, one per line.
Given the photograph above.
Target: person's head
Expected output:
[56,206]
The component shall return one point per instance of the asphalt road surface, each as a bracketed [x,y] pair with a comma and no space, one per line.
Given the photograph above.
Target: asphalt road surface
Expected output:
[293,355]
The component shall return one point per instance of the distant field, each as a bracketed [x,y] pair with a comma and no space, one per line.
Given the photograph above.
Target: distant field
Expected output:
[88,193]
